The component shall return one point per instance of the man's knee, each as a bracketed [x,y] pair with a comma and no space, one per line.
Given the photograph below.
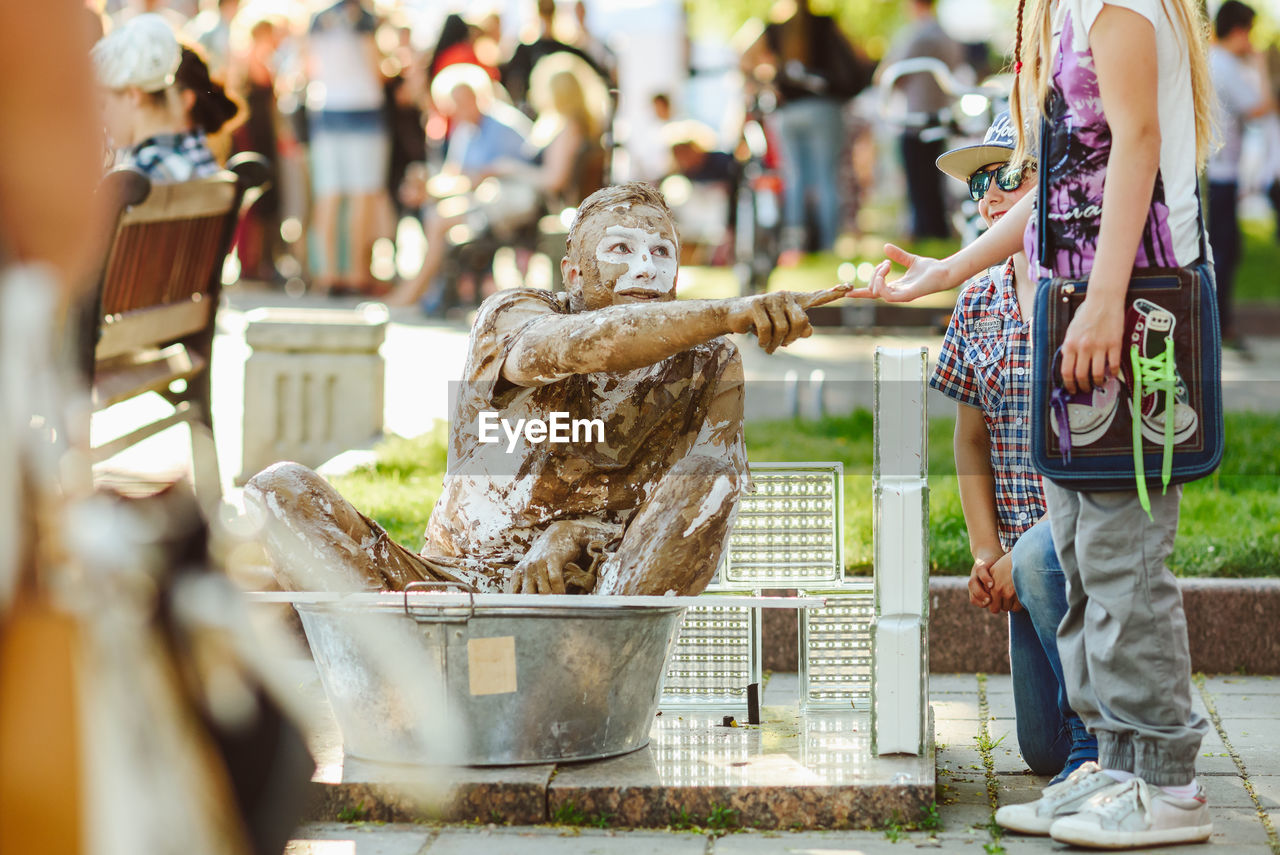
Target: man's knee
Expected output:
[1035,562]
[698,480]
[703,466]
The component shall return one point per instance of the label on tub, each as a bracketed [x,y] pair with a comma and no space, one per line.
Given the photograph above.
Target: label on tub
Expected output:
[491,665]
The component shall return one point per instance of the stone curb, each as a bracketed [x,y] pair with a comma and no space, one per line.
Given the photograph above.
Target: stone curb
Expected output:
[1233,626]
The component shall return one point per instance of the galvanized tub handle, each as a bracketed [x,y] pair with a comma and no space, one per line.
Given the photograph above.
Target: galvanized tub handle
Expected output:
[433,584]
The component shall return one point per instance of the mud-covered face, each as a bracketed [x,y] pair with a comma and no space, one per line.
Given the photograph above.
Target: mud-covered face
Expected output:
[626,255]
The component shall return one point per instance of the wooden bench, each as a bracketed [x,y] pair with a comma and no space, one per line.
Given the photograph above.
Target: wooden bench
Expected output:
[150,325]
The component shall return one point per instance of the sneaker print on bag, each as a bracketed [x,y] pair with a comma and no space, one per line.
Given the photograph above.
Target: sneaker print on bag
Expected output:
[1150,331]
[1082,418]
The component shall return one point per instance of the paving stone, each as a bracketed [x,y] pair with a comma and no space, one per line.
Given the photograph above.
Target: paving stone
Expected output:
[999,684]
[1268,789]
[827,843]
[1230,684]
[1237,827]
[959,819]
[944,684]
[1214,758]
[1226,791]
[1017,789]
[1000,705]
[1247,706]
[1247,734]
[346,839]
[955,707]
[954,731]
[965,793]
[539,841]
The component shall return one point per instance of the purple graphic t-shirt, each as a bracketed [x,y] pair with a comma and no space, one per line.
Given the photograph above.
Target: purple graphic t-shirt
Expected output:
[1079,146]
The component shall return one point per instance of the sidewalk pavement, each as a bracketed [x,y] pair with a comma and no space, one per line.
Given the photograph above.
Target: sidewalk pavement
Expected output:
[978,768]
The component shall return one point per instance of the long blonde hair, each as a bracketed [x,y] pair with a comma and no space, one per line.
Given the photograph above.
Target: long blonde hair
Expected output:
[1032,63]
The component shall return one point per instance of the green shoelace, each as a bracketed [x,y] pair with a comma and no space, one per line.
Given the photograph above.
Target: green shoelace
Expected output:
[1155,374]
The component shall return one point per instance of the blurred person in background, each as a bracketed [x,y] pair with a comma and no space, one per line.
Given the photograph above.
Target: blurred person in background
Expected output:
[600,54]
[483,133]
[921,142]
[211,30]
[259,239]
[350,147]
[456,44]
[706,213]
[405,85]
[812,69]
[540,42]
[136,65]
[1240,83]
[133,8]
[209,110]
[561,163]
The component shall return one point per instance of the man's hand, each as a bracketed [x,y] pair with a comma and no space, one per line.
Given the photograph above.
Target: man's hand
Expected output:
[543,568]
[924,276]
[779,318]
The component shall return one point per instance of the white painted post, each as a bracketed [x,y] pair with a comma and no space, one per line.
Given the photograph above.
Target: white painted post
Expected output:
[900,496]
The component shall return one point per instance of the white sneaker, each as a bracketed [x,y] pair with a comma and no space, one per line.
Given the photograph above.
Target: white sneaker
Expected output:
[1056,801]
[1136,814]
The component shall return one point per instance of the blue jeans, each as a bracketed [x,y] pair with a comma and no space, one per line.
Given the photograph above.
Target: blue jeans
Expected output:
[1050,735]
[812,134]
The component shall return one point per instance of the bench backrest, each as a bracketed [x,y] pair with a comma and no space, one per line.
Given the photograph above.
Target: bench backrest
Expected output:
[164,269]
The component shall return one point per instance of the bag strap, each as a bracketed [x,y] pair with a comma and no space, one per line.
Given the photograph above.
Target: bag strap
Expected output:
[1204,249]
[1042,198]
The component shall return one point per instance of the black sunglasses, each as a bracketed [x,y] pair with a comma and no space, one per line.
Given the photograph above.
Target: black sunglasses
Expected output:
[1008,177]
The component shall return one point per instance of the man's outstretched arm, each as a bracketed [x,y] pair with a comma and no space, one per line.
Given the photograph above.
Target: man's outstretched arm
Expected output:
[623,338]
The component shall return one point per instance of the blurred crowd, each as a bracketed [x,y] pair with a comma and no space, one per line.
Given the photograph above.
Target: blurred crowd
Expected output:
[480,128]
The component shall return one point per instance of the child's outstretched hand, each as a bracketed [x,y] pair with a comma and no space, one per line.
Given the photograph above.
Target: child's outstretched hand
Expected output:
[924,276]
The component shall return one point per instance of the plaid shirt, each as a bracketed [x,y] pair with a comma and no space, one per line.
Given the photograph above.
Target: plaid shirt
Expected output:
[172,158]
[986,363]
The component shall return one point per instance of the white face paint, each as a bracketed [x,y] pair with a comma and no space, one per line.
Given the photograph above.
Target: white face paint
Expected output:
[649,258]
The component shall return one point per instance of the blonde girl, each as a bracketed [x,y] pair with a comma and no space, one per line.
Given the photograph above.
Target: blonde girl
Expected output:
[1124,92]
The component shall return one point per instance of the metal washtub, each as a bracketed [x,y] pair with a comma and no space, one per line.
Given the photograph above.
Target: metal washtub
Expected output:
[524,683]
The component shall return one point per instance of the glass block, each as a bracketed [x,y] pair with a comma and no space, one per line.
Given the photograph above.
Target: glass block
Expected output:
[788,532]
[900,496]
[835,649]
[715,658]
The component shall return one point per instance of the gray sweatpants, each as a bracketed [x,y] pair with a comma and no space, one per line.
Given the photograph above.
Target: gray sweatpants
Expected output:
[1123,640]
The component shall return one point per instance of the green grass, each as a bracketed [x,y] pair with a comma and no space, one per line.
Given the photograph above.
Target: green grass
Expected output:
[1230,522]
[815,271]
[1256,276]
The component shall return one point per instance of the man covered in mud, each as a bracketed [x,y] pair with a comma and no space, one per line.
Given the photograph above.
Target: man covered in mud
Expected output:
[596,440]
